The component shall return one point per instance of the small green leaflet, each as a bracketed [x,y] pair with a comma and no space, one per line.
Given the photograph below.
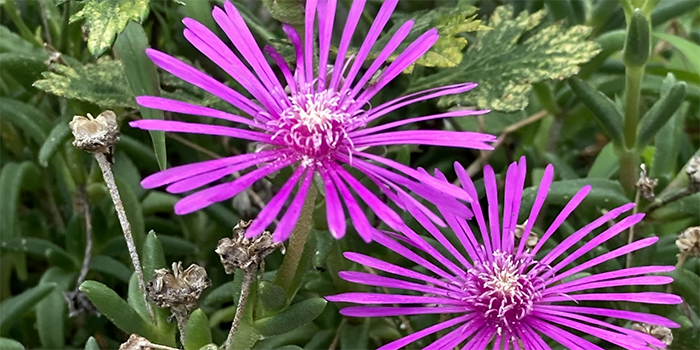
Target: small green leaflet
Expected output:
[505,61]
[105,19]
[103,83]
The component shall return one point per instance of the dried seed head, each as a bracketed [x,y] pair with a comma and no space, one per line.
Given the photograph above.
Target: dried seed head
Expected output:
[177,289]
[693,171]
[688,242]
[79,303]
[532,238]
[136,342]
[661,333]
[241,252]
[645,184]
[95,134]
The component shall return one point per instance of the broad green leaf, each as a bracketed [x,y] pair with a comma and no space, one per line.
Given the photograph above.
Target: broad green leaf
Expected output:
[10,344]
[141,73]
[197,332]
[102,83]
[91,344]
[58,135]
[295,316]
[689,49]
[604,194]
[14,307]
[107,18]
[504,67]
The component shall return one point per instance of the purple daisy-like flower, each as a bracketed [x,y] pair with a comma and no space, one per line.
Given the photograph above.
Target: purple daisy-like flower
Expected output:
[312,122]
[503,292]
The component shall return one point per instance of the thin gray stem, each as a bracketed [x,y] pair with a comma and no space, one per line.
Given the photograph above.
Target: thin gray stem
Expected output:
[660,202]
[248,278]
[126,227]
[85,207]
[181,318]
[630,237]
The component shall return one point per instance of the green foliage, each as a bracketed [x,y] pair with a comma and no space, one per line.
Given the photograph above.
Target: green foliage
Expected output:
[102,83]
[295,316]
[505,61]
[197,333]
[105,19]
[14,307]
[604,109]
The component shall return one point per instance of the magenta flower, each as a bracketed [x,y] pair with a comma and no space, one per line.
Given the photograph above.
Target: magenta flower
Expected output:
[314,123]
[502,292]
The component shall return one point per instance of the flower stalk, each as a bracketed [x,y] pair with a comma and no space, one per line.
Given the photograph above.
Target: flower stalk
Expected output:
[248,279]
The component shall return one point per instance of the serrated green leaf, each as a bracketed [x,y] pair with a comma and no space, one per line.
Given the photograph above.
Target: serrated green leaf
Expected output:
[197,332]
[295,316]
[58,135]
[504,68]
[14,307]
[107,18]
[102,83]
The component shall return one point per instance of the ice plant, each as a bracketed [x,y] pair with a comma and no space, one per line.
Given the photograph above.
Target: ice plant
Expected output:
[315,119]
[498,291]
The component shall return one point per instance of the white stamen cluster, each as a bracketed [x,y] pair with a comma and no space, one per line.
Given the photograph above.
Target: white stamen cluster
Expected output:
[316,124]
[503,290]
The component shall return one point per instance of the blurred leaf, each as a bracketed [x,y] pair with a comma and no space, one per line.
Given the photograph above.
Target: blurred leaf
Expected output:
[295,316]
[111,266]
[660,113]
[91,344]
[58,135]
[604,193]
[605,164]
[110,304]
[689,49]
[223,293]
[33,122]
[687,207]
[10,344]
[153,257]
[158,202]
[355,336]
[272,297]
[39,247]
[12,179]
[505,68]
[107,18]
[141,73]
[14,307]
[197,332]
[51,310]
[177,246]
[102,83]
[667,144]
[604,109]
[687,285]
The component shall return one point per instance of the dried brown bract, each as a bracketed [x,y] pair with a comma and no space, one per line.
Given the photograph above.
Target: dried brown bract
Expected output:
[646,185]
[661,333]
[95,134]
[693,171]
[532,238]
[178,289]
[241,252]
[688,242]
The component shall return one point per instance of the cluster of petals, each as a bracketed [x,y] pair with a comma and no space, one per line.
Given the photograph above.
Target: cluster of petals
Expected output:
[315,118]
[502,295]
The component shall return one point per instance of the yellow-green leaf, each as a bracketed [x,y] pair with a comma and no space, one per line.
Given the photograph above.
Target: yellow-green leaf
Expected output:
[105,19]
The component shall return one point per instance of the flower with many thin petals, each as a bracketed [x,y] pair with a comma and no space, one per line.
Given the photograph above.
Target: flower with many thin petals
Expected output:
[315,119]
[498,292]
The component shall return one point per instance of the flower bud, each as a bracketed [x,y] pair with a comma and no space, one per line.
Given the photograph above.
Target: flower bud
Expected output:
[177,289]
[693,172]
[661,333]
[95,134]
[241,252]
[688,241]
[645,184]
[638,42]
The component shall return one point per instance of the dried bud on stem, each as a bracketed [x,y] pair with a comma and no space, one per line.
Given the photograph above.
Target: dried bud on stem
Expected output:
[95,134]
[241,252]
[661,333]
[645,184]
[136,342]
[532,238]
[693,171]
[688,241]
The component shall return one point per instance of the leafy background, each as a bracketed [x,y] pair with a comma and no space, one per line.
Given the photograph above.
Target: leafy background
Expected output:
[553,73]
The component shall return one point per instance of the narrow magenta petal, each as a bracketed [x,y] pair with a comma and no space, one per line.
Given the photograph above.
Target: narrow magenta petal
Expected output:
[282,64]
[375,298]
[464,139]
[334,208]
[391,268]
[492,200]
[194,182]
[326,16]
[381,281]
[452,114]
[309,39]
[563,337]
[348,31]
[628,272]
[273,208]
[621,314]
[537,205]
[294,37]
[640,297]
[176,106]
[468,186]
[458,335]
[360,221]
[401,343]
[291,216]
[612,337]
[633,281]
[384,311]
[509,234]
[196,128]
[563,214]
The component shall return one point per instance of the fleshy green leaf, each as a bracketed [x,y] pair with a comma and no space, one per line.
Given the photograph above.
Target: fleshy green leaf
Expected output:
[687,48]
[39,247]
[10,344]
[687,285]
[153,257]
[660,113]
[107,18]
[197,332]
[272,297]
[102,83]
[91,344]
[57,136]
[504,68]
[51,310]
[355,336]
[14,307]
[291,318]
[603,109]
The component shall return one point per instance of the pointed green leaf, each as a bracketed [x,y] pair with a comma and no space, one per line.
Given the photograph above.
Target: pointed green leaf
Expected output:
[10,344]
[33,122]
[91,344]
[506,60]
[41,248]
[638,41]
[13,177]
[107,18]
[51,310]
[58,135]
[666,146]
[295,316]
[141,73]
[152,256]
[14,307]
[604,110]
[197,332]
[102,83]
[605,164]
[110,266]
[272,297]
[660,113]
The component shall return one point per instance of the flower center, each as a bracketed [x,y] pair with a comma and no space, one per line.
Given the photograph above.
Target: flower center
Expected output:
[316,124]
[503,290]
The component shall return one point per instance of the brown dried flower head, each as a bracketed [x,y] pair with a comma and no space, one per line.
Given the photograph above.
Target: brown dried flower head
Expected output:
[661,333]
[95,134]
[241,252]
[645,184]
[693,171]
[136,342]
[688,242]
[532,238]
[178,289]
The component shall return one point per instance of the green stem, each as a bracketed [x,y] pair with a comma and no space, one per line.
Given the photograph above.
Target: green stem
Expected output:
[629,163]
[297,242]
[633,91]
